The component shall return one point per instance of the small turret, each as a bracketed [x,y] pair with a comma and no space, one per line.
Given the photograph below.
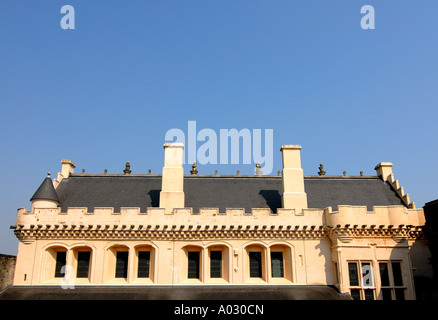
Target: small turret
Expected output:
[45,196]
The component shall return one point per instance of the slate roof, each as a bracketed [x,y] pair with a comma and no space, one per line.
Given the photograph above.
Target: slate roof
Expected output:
[46,191]
[84,190]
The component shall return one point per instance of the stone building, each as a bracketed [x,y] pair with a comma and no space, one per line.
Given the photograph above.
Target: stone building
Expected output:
[7,267]
[358,236]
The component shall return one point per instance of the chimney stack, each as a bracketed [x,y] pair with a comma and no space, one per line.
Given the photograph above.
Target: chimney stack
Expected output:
[172,189]
[384,170]
[294,195]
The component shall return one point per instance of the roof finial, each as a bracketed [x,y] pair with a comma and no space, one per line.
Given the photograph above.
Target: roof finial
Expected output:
[48,174]
[258,170]
[194,169]
[345,173]
[127,168]
[321,170]
[361,173]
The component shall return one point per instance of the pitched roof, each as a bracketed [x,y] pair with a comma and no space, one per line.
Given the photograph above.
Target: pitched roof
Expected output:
[83,190]
[46,191]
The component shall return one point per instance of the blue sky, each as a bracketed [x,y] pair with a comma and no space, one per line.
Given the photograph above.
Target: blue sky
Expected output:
[108,91]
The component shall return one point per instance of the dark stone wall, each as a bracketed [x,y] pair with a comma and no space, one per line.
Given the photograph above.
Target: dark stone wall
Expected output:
[7,268]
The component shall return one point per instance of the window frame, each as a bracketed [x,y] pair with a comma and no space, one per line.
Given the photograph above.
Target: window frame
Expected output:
[392,287]
[362,288]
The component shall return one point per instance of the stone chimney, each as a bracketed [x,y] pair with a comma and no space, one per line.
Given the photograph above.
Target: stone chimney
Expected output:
[172,188]
[294,195]
[67,169]
[384,170]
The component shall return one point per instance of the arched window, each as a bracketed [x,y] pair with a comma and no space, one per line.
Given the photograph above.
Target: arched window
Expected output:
[82,260]
[117,264]
[144,264]
[280,263]
[218,263]
[54,263]
[256,263]
[193,270]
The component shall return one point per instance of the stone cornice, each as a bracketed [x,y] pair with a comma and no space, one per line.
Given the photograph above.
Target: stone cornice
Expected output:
[182,232]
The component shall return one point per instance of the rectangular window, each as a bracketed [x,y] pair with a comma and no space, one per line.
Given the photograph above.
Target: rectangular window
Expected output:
[391,280]
[277,264]
[367,279]
[361,285]
[122,264]
[397,273]
[384,275]
[255,264]
[215,264]
[193,266]
[61,260]
[83,264]
[144,260]
[352,272]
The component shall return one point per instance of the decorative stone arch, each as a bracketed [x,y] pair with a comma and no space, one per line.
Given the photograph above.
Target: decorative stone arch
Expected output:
[226,262]
[188,255]
[285,251]
[255,260]
[140,253]
[53,258]
[111,251]
[78,250]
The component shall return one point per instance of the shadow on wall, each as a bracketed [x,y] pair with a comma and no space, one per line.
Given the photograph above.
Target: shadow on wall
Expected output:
[424,280]
[325,251]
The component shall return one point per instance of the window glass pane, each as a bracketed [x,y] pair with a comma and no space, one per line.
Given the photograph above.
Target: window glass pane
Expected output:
[369,294]
[384,275]
[60,262]
[193,267]
[355,294]
[277,264]
[386,294]
[255,264]
[216,264]
[144,258]
[367,277]
[122,264]
[400,294]
[83,264]
[352,271]
[397,274]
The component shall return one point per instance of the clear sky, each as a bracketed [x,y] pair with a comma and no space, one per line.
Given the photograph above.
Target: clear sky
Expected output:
[109,90]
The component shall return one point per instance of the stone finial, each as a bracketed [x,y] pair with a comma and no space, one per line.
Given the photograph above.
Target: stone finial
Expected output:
[238,172]
[279,173]
[83,170]
[127,168]
[258,170]
[361,173]
[149,171]
[345,173]
[105,171]
[215,172]
[321,170]
[194,169]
